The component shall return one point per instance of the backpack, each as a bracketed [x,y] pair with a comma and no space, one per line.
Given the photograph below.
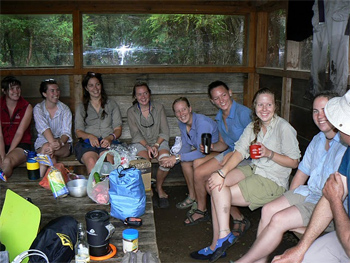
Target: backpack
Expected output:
[56,240]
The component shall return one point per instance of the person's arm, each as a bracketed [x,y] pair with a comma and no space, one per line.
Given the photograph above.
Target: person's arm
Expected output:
[335,191]
[2,145]
[23,126]
[320,219]
[217,179]
[281,159]
[219,146]
[299,178]
[66,131]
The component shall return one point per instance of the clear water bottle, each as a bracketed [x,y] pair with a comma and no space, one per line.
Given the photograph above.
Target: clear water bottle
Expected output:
[82,246]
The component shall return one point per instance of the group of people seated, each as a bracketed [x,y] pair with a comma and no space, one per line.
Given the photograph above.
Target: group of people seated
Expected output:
[313,203]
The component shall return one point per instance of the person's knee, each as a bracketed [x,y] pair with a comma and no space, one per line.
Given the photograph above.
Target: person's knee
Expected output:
[277,220]
[266,213]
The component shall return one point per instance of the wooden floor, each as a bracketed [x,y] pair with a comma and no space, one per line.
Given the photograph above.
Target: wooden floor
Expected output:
[77,207]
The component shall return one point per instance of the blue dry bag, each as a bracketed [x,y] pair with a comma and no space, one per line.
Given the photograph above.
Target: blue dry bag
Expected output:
[127,193]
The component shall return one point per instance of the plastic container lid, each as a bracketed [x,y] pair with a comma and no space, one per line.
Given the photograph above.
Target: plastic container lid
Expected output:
[130,234]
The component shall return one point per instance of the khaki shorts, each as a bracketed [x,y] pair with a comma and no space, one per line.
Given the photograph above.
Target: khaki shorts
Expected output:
[305,208]
[258,190]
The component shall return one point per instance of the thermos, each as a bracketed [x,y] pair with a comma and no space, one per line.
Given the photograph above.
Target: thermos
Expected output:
[32,166]
[206,142]
[99,231]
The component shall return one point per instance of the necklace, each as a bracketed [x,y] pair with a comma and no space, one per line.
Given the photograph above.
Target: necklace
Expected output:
[329,139]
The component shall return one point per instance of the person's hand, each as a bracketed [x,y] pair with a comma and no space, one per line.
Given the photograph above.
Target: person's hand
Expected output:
[149,151]
[154,151]
[292,255]
[94,141]
[106,142]
[49,151]
[264,152]
[55,145]
[168,162]
[215,180]
[334,189]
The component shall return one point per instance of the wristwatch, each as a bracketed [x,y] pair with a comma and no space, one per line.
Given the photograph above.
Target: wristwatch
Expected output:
[177,158]
[157,145]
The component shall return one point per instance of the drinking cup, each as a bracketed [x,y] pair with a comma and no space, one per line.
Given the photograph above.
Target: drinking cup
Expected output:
[254,151]
[206,142]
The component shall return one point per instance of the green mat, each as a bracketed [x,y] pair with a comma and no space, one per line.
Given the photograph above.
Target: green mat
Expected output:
[19,224]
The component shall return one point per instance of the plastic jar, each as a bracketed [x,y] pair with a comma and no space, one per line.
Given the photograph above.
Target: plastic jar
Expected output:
[130,240]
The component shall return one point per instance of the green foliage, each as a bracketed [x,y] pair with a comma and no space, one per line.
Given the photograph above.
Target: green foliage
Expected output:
[36,40]
[123,39]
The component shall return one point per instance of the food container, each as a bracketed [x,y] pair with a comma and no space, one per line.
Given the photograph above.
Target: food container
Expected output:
[77,187]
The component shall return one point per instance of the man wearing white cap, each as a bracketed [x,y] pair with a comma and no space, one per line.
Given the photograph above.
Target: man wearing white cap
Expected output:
[335,246]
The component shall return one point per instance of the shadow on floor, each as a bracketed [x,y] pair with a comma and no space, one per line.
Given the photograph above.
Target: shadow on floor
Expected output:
[176,241]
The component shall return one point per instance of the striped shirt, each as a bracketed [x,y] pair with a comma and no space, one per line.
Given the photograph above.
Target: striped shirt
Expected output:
[60,124]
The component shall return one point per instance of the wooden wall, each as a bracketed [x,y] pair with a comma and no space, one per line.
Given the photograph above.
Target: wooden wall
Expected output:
[165,89]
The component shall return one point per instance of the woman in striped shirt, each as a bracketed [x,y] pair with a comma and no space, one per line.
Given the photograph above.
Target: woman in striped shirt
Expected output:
[53,122]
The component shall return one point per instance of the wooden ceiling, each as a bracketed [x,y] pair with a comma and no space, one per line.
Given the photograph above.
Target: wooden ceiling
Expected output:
[139,6]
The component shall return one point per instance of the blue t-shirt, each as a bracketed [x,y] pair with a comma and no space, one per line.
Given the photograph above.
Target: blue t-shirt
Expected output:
[344,169]
[237,120]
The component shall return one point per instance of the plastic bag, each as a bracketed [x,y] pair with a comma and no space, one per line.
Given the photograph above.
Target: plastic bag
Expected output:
[127,193]
[55,178]
[59,166]
[140,257]
[98,192]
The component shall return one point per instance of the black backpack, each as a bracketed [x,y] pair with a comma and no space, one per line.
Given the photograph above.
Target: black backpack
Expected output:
[56,240]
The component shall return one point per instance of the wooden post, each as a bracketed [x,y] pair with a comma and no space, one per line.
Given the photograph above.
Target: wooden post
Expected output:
[262,34]
[286,96]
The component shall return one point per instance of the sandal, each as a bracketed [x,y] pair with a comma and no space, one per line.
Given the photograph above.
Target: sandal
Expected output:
[193,209]
[188,202]
[239,230]
[205,217]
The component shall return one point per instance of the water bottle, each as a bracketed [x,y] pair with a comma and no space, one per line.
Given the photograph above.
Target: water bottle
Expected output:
[33,166]
[81,247]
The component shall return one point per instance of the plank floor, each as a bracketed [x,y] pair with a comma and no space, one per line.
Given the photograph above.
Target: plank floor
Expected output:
[77,207]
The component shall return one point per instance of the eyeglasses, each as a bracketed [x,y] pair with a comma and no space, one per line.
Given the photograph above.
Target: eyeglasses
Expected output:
[142,122]
[93,74]
[49,80]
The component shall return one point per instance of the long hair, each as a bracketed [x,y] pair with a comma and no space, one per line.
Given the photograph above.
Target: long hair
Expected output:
[139,84]
[256,120]
[86,94]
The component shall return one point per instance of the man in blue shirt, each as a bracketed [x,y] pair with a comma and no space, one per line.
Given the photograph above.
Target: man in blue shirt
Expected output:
[335,246]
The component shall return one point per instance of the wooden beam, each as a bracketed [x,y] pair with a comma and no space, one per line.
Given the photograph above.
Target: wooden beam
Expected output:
[251,33]
[286,97]
[78,39]
[251,86]
[295,74]
[122,6]
[261,39]
[128,70]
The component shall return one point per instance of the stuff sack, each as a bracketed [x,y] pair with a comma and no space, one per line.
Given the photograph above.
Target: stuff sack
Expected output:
[127,193]
[56,240]
[98,191]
